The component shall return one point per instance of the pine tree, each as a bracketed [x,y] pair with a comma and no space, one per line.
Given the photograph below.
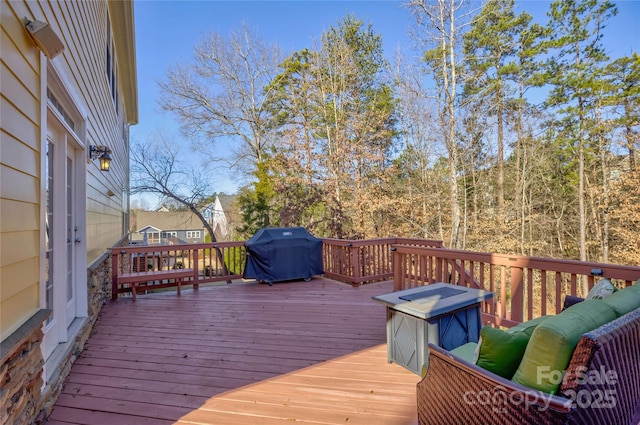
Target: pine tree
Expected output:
[624,95]
[574,70]
[490,48]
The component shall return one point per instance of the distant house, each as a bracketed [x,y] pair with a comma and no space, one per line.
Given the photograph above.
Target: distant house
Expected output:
[167,227]
[172,227]
[68,96]
[217,218]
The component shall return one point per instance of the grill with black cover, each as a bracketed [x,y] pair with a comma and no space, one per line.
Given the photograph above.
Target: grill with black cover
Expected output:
[277,254]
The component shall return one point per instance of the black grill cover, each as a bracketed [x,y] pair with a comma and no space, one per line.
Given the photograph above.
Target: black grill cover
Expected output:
[277,254]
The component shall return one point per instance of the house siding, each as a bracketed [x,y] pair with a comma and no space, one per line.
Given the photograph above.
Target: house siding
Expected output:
[81,72]
[19,170]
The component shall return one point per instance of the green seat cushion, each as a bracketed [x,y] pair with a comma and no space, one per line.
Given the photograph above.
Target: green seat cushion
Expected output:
[465,351]
[601,290]
[552,343]
[625,300]
[500,351]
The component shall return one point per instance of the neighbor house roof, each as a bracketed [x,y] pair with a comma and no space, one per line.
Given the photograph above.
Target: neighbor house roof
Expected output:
[167,220]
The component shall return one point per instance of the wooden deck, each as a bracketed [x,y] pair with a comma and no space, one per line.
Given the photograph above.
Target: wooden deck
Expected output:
[244,353]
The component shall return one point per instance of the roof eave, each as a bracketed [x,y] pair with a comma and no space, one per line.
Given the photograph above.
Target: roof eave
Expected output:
[122,18]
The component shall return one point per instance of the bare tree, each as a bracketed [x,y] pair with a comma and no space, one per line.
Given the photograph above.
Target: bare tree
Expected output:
[416,120]
[156,168]
[221,97]
[439,28]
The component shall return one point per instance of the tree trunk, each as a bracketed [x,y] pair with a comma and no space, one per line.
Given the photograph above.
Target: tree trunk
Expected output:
[499,107]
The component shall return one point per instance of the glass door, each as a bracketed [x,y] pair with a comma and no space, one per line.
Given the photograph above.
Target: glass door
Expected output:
[61,232]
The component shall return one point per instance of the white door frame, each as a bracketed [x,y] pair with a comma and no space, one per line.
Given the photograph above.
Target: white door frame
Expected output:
[68,152]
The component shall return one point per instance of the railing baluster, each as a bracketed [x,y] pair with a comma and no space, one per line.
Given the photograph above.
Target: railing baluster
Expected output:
[543,294]
[517,297]
[529,294]
[496,306]
[504,309]
[558,300]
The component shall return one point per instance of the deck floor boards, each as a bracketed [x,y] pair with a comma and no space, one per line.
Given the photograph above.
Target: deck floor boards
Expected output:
[246,353]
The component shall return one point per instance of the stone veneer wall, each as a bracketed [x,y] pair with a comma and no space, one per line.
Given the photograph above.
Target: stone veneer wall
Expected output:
[21,372]
[21,369]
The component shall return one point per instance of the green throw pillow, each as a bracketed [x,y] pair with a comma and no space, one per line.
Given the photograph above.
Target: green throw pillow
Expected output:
[601,290]
[499,351]
[625,300]
[552,343]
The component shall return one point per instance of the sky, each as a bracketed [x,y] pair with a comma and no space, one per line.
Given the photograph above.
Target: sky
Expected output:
[168,30]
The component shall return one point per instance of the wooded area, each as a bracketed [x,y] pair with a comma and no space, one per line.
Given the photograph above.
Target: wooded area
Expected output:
[504,135]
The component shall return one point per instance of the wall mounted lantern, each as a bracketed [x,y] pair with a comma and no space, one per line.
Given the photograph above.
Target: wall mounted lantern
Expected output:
[103,153]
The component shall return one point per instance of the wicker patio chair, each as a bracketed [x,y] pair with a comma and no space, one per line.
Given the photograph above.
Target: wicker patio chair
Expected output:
[455,391]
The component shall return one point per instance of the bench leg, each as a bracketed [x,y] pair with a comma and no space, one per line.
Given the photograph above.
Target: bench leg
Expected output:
[134,286]
[179,282]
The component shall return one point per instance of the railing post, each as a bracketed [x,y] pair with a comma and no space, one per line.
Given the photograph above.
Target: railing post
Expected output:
[354,262]
[195,269]
[355,258]
[398,270]
[114,275]
[392,254]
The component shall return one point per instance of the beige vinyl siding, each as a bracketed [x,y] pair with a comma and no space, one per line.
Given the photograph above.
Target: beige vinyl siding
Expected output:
[83,30]
[15,88]
[19,171]
[16,155]
[14,275]
[104,127]
[14,123]
[17,186]
[17,309]
[81,26]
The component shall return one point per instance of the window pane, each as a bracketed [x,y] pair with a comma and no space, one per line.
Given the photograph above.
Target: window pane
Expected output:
[48,261]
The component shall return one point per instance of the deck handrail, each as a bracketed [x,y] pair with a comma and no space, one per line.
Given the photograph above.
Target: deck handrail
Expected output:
[350,261]
[519,283]
[369,260]
[211,262]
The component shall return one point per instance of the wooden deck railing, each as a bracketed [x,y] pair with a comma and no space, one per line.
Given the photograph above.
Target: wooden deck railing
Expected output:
[217,262]
[360,261]
[524,287]
[350,261]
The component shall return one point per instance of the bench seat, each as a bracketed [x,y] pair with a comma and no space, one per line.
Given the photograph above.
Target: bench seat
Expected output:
[136,278]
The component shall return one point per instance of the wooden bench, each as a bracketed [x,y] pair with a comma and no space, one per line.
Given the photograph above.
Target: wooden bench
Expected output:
[136,268]
[136,278]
